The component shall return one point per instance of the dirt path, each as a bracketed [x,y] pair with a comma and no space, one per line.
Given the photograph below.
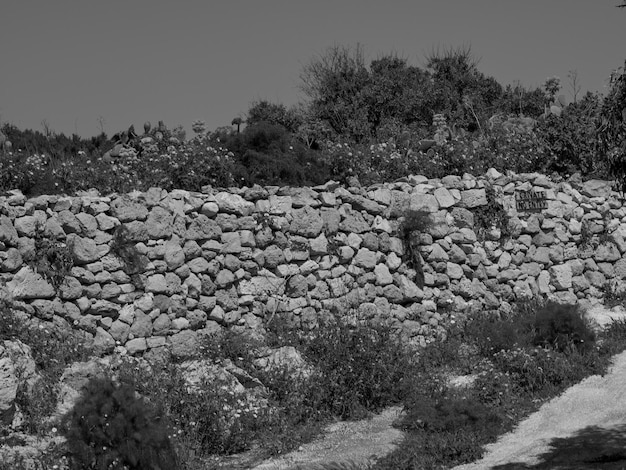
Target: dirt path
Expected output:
[583,428]
[354,441]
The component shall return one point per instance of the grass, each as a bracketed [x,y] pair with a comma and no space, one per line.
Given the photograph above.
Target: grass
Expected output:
[516,361]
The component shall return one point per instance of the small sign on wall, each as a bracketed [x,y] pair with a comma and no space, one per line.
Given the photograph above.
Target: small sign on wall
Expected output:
[530,201]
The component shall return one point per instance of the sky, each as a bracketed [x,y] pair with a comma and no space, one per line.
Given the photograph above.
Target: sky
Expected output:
[80,66]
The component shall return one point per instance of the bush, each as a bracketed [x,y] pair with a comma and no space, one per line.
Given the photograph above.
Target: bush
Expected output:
[563,328]
[110,428]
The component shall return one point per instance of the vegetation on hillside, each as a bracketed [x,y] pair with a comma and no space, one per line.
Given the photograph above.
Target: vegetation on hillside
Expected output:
[377,122]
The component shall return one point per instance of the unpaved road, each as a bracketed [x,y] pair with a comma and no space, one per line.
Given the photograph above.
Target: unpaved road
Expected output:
[354,442]
[584,428]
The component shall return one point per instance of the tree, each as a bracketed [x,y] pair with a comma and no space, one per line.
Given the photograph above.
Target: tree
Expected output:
[611,127]
[237,122]
[575,87]
[274,113]
[335,83]
[397,94]
[457,82]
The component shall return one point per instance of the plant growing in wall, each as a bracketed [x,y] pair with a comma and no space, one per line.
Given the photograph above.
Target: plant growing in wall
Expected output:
[409,230]
[492,215]
[125,249]
[52,258]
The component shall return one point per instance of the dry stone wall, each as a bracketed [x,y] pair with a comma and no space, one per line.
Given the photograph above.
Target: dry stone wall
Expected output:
[154,270]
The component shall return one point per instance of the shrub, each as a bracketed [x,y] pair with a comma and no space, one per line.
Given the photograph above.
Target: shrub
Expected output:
[52,258]
[562,327]
[126,250]
[53,347]
[110,428]
[414,224]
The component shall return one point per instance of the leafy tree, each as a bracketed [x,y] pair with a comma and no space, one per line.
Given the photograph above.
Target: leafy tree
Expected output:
[611,127]
[274,113]
[460,91]
[570,138]
[397,94]
[335,83]
[522,101]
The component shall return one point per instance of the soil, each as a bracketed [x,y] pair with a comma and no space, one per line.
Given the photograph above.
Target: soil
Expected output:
[351,442]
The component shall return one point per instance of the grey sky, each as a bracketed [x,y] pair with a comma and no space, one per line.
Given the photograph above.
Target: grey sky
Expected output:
[70,62]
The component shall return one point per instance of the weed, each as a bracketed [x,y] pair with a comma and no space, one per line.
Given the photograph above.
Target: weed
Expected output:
[52,258]
[491,215]
[126,250]
[414,224]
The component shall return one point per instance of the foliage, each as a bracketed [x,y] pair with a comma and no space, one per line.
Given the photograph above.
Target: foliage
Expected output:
[570,139]
[412,226]
[208,418]
[53,347]
[611,127]
[52,258]
[449,425]
[110,428]
[126,250]
[335,83]
[460,91]
[562,327]
[275,114]
[491,215]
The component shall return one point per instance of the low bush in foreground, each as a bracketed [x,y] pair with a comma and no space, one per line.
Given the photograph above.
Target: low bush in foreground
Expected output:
[510,363]
[513,362]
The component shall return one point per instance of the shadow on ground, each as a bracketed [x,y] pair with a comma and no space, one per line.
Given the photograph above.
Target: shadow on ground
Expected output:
[591,448]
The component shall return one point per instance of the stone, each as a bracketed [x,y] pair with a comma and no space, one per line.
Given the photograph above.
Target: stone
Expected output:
[454,271]
[359,202]
[156,283]
[8,233]
[141,326]
[70,288]
[353,222]
[184,344]
[224,278]
[106,222]
[607,252]
[136,346]
[203,228]
[10,260]
[84,250]
[174,256]
[365,259]
[26,226]
[233,204]
[160,223]
[119,331]
[17,369]
[596,188]
[462,217]
[561,276]
[473,198]
[127,210]
[103,342]
[444,198]
[231,242]
[383,276]
[27,284]
[297,286]
[423,203]
[72,382]
[319,245]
